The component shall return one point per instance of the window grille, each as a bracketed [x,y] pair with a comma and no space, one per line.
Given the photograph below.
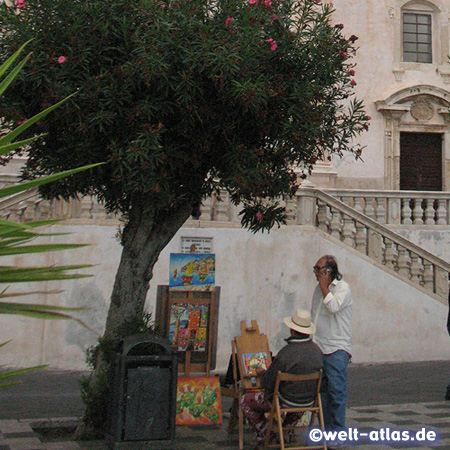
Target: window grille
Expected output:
[417,38]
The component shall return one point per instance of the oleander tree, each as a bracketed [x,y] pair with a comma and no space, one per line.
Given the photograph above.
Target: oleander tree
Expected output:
[181,98]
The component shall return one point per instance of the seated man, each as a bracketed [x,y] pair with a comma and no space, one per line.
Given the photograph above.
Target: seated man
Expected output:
[299,356]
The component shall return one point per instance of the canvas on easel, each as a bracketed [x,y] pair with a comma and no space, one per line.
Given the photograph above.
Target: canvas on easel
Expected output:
[249,351]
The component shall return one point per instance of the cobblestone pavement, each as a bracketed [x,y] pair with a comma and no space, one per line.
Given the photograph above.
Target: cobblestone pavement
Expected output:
[433,416]
[396,397]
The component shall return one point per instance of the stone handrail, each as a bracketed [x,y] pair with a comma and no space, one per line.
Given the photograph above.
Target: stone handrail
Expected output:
[398,207]
[370,237]
[12,200]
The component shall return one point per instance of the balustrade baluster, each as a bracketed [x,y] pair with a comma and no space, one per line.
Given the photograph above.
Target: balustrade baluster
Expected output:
[21,211]
[406,212]
[335,223]
[358,204]
[87,204]
[416,268]
[418,212]
[429,211]
[221,207]
[37,209]
[389,254]
[380,211]
[428,275]
[441,212]
[370,211]
[291,210]
[348,228]
[206,209]
[322,216]
[402,262]
[360,238]
[97,211]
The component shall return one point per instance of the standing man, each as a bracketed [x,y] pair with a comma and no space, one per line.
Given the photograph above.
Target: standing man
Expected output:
[331,312]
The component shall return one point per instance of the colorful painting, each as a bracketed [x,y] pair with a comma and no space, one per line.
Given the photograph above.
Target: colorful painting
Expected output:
[253,361]
[192,272]
[188,326]
[198,401]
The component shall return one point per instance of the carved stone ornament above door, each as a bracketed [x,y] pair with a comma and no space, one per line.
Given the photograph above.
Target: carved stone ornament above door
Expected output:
[422,109]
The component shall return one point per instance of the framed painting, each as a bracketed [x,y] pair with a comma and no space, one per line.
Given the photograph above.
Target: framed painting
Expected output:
[198,401]
[192,272]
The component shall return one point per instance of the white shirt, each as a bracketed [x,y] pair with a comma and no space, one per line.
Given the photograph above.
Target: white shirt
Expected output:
[332,316]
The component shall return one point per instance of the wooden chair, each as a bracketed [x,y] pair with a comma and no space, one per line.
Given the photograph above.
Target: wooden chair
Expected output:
[278,412]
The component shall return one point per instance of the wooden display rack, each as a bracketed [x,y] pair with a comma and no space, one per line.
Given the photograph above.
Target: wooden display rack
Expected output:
[190,361]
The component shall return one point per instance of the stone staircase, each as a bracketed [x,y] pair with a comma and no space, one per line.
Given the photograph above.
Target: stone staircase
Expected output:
[361,219]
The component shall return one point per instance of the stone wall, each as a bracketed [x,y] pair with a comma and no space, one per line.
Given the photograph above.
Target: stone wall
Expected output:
[263,277]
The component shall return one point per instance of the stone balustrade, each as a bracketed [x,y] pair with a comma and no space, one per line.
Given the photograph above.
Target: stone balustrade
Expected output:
[410,208]
[398,207]
[359,219]
[372,238]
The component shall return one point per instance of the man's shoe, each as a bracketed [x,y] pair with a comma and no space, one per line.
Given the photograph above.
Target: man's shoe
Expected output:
[447,395]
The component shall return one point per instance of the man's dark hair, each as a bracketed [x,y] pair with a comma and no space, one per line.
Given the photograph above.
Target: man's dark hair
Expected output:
[298,335]
[331,263]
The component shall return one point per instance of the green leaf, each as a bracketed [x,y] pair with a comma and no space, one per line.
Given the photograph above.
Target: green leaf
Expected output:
[30,249]
[21,128]
[6,65]
[15,373]
[4,192]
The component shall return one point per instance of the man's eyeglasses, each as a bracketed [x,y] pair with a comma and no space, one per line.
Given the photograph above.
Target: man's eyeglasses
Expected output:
[317,268]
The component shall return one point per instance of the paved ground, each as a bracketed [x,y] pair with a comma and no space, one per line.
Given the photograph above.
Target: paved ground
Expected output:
[406,397]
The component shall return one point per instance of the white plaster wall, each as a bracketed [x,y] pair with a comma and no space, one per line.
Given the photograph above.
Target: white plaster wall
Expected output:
[377,23]
[263,277]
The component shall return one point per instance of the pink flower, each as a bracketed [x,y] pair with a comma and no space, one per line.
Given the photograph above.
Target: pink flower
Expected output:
[273,44]
[268,3]
[252,2]
[21,4]
[163,5]
[273,18]
[259,216]
[62,60]
[368,118]
[228,21]
[351,72]
[343,55]
[353,83]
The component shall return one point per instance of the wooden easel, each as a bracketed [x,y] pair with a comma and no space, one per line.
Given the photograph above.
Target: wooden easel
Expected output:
[251,341]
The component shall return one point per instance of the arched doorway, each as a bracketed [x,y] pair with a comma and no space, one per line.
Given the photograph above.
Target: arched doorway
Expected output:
[417,139]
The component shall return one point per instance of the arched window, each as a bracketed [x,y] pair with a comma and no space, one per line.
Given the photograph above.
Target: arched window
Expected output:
[420,33]
[417,37]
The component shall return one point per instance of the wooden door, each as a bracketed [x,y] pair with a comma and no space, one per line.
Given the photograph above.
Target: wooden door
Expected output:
[421,161]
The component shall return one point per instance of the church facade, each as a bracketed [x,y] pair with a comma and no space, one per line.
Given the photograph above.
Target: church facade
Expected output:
[403,75]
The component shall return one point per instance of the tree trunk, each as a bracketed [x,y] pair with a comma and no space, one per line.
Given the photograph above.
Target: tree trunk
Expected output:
[144,237]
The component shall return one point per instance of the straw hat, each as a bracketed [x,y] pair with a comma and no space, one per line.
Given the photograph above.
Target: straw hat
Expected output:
[301,322]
